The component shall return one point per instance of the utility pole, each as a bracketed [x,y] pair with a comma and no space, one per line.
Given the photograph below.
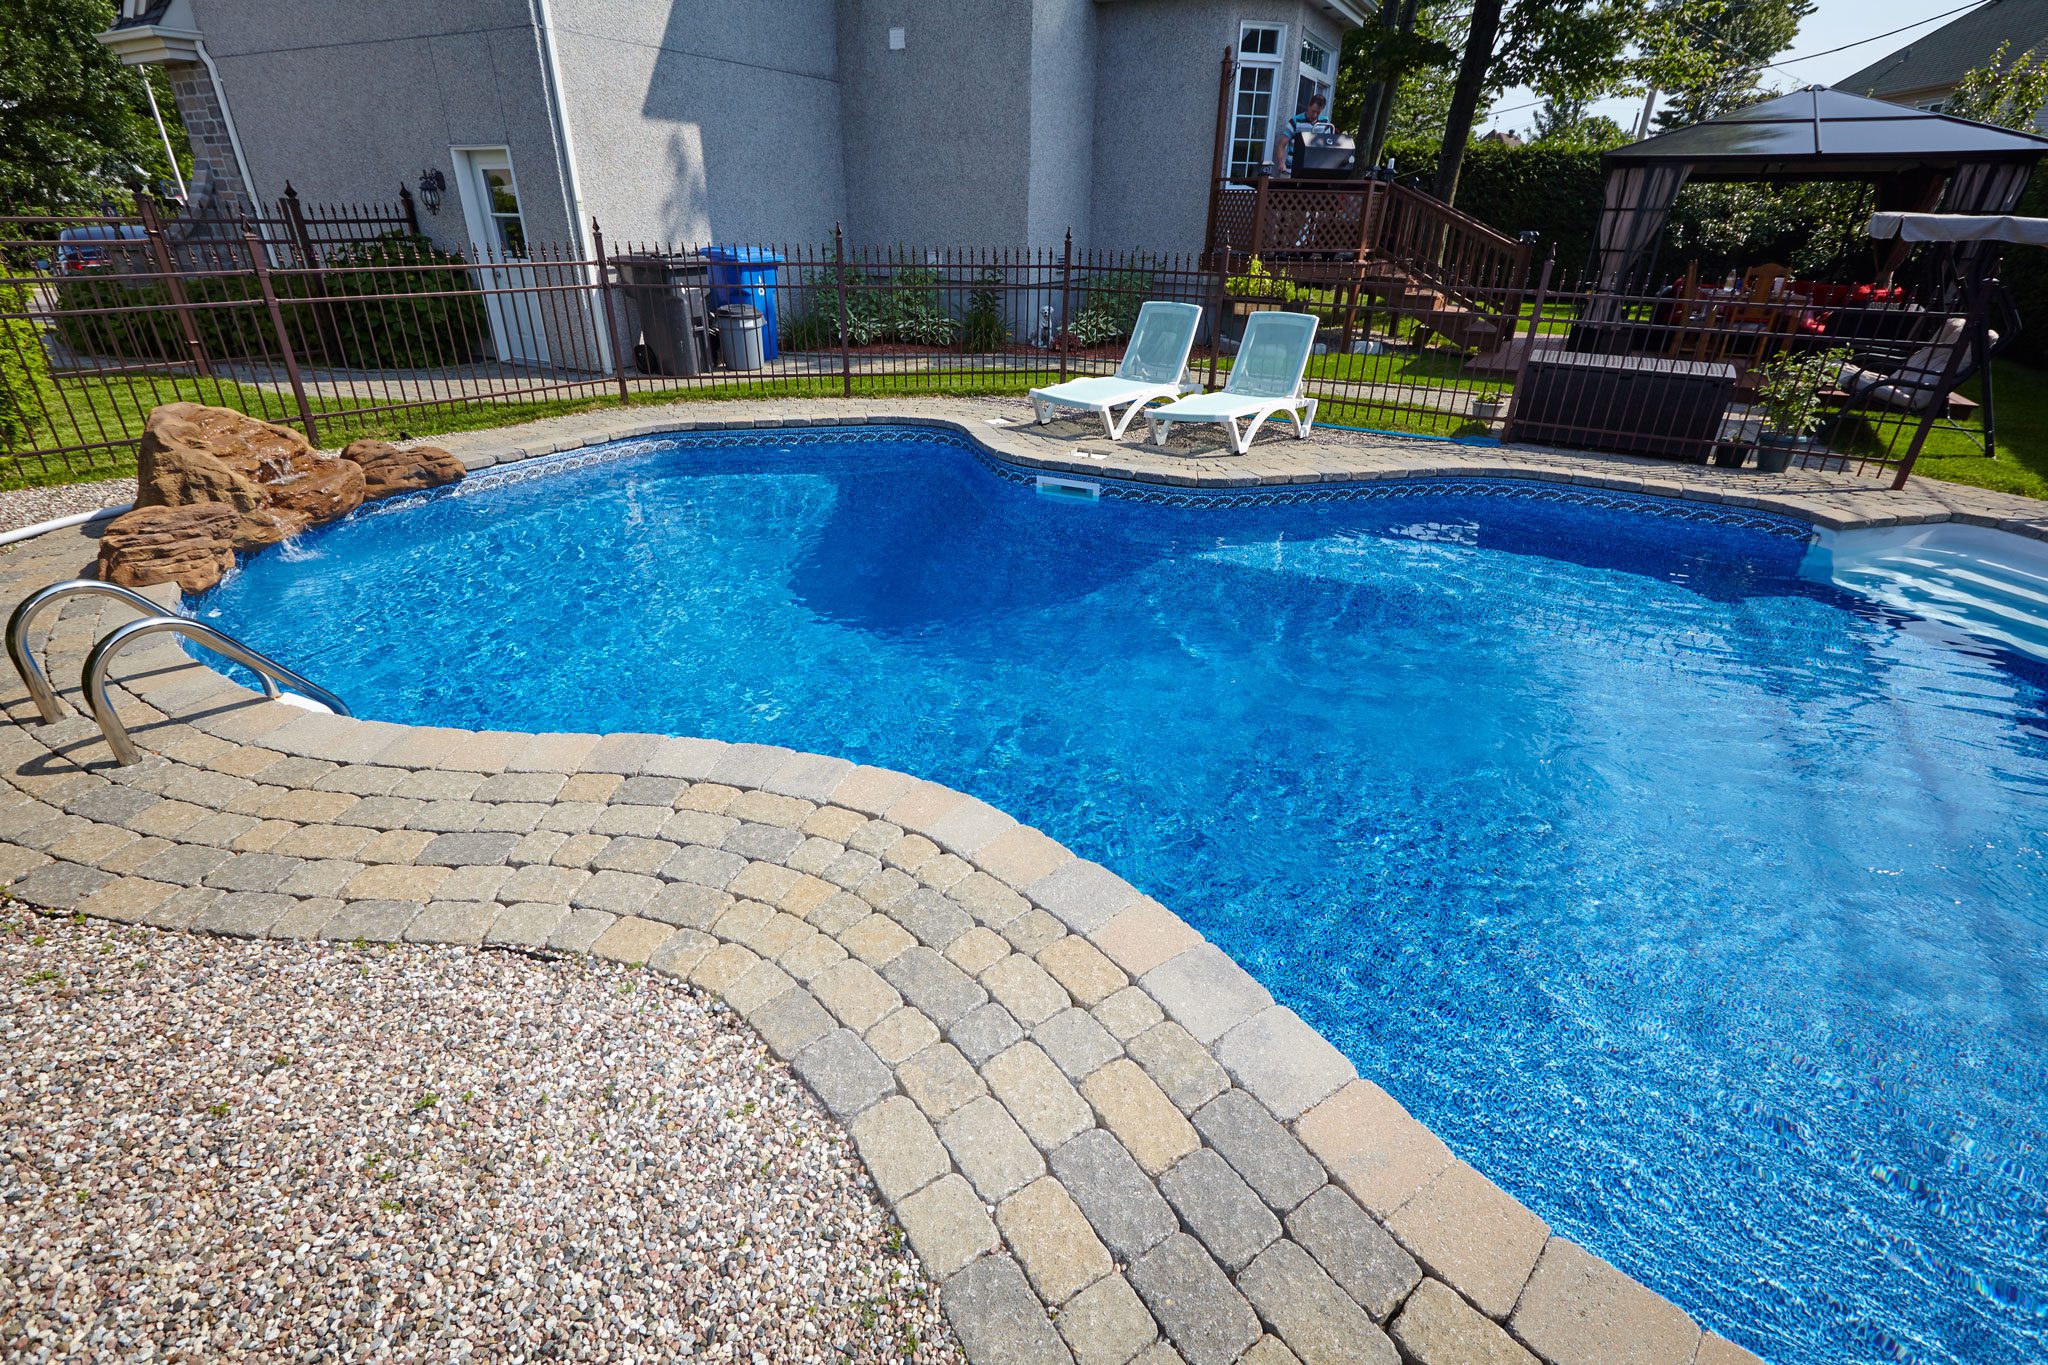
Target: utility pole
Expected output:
[1649,108]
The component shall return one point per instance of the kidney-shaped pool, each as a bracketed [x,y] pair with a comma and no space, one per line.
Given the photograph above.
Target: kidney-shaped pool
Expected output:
[1699,905]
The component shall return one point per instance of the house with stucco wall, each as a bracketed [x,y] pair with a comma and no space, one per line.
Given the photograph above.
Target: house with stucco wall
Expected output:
[1924,73]
[987,123]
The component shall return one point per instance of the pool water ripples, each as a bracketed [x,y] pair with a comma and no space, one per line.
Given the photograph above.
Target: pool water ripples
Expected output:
[1699,905]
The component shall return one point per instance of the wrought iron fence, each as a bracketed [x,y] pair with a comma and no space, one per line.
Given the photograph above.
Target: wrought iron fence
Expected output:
[352,332]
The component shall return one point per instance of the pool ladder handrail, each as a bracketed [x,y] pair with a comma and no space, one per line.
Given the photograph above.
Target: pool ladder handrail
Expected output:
[31,606]
[100,658]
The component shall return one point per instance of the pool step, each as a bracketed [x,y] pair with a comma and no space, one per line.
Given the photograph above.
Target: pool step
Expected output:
[1987,583]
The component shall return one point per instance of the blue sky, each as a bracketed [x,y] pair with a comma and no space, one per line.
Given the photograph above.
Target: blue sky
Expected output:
[1832,23]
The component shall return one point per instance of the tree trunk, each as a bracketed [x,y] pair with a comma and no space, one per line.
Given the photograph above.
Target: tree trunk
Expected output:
[1465,96]
[1377,96]
[1383,115]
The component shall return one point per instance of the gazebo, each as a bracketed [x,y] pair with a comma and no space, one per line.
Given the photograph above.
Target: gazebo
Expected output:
[1688,368]
[1919,161]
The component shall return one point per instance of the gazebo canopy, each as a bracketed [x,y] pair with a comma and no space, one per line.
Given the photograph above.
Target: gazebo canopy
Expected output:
[1818,134]
[1921,162]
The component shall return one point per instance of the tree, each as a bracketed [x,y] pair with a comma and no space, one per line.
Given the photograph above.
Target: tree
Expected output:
[1566,123]
[1390,73]
[2009,96]
[1736,42]
[75,124]
[1573,49]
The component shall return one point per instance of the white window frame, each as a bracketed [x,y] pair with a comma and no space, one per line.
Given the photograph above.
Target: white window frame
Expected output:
[1275,63]
[1323,78]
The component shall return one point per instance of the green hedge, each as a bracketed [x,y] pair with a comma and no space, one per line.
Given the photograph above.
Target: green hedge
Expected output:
[1553,191]
[2025,272]
[344,328]
[24,371]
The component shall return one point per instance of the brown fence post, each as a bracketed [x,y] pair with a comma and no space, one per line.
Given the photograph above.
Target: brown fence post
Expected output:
[1259,215]
[1960,356]
[1218,302]
[1535,330]
[1066,300]
[845,341]
[295,224]
[410,209]
[291,362]
[1216,155]
[174,287]
[613,338]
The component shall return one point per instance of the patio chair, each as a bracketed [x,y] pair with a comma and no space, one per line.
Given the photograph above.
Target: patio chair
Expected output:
[1915,384]
[1266,379]
[1153,367]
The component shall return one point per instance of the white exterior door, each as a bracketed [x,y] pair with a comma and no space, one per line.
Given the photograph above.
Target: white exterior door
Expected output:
[490,201]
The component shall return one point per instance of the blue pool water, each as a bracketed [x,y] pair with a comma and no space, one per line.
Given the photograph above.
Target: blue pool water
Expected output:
[1700,906]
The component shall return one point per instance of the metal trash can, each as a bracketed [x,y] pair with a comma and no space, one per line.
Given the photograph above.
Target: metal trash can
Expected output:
[746,274]
[667,311]
[741,328]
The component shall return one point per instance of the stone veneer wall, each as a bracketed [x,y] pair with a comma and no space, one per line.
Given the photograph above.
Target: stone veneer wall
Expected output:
[207,130]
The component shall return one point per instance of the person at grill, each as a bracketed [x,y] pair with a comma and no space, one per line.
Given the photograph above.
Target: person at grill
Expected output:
[1310,117]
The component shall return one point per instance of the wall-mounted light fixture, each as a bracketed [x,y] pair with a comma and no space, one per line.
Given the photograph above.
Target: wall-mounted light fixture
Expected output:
[433,185]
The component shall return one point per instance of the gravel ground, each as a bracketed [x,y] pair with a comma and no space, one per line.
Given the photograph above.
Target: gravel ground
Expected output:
[21,507]
[220,1150]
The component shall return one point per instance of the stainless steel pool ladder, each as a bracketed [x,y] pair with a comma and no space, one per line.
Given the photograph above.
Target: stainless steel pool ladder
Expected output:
[155,621]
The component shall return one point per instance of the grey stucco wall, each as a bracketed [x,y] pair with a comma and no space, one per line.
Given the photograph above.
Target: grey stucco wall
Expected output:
[348,101]
[938,135]
[704,120]
[1155,109]
[1064,79]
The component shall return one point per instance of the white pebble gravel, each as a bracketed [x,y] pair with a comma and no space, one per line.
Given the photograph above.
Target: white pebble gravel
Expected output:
[224,1150]
[21,507]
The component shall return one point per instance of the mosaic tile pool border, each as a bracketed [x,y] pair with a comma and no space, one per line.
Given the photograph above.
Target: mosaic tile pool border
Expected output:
[1114,489]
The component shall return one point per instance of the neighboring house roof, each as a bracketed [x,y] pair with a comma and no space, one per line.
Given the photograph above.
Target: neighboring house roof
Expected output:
[139,13]
[1937,60]
[1822,131]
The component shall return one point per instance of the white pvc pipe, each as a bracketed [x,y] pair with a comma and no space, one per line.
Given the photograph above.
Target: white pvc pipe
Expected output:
[62,523]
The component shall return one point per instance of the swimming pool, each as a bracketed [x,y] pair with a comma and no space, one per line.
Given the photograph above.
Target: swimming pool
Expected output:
[1699,905]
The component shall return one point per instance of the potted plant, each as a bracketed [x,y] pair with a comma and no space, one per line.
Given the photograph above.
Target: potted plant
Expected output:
[1488,406]
[1258,290]
[1788,399]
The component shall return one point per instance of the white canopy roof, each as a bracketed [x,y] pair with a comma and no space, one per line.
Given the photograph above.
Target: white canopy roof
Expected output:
[1960,227]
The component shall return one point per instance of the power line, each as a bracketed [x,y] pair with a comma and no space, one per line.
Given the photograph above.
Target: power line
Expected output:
[1917,23]
[1806,57]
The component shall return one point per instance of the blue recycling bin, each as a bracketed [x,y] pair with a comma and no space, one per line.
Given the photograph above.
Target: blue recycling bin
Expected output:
[746,274]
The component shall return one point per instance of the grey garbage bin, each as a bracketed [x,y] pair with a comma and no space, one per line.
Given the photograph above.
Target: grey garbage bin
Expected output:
[666,311]
[741,327]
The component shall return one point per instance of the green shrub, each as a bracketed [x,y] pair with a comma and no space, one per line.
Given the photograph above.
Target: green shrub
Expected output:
[449,328]
[813,331]
[327,317]
[986,330]
[1552,190]
[1257,282]
[1114,298]
[2025,272]
[905,308]
[24,371]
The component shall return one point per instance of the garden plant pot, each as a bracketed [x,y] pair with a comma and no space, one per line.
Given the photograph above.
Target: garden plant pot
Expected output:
[1488,412]
[1731,455]
[1775,450]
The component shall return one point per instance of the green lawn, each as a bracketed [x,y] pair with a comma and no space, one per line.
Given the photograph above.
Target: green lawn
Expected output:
[2021,393]
[88,413]
[96,412]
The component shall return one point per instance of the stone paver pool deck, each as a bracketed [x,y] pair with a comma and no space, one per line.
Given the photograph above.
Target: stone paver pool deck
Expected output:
[1102,1136]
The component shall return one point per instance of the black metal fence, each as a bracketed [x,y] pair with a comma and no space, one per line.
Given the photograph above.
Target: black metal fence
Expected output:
[363,328]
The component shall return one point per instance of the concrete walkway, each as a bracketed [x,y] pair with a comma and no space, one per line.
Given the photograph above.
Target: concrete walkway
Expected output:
[1103,1138]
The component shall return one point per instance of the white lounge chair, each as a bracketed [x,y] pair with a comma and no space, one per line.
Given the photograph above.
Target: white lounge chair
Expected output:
[1153,366]
[1266,379]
